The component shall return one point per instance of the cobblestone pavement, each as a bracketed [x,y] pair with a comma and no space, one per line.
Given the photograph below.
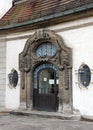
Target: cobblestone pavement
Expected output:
[16,122]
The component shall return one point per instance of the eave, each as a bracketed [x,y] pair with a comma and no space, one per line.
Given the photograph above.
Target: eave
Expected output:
[69,15]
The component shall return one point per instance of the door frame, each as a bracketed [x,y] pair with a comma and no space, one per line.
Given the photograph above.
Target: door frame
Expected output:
[36,92]
[62,59]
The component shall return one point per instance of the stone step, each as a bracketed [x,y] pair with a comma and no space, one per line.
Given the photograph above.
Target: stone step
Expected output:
[44,114]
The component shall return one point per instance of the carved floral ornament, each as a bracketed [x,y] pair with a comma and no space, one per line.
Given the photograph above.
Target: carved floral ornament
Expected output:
[28,59]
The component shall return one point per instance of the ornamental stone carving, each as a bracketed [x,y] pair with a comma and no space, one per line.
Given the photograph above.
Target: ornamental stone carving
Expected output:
[28,56]
[28,61]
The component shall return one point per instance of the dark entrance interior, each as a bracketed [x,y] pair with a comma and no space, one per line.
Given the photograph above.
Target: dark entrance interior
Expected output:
[46,91]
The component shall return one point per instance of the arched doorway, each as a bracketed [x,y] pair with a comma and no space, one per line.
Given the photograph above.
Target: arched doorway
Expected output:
[46,87]
[45,55]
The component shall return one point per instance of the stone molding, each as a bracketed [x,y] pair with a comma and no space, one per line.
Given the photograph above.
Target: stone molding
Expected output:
[62,59]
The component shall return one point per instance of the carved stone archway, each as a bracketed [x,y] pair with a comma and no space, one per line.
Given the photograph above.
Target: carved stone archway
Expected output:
[62,59]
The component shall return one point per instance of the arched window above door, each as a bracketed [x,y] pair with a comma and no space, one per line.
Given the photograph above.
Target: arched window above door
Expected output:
[44,56]
[46,49]
[43,66]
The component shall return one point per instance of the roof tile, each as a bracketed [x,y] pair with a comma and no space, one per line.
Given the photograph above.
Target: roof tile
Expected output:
[33,9]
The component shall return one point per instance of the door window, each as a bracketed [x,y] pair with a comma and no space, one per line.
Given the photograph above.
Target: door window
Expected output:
[46,74]
[46,81]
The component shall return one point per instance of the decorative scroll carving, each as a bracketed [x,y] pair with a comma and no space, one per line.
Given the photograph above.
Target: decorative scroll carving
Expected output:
[28,60]
[65,65]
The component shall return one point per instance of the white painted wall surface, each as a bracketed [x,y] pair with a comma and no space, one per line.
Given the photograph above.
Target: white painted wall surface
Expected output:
[2,72]
[13,49]
[81,42]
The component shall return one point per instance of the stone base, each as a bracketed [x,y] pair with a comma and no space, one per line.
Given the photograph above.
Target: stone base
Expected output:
[22,106]
[44,114]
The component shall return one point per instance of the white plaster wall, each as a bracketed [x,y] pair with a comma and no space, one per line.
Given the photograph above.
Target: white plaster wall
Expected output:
[81,41]
[2,72]
[14,47]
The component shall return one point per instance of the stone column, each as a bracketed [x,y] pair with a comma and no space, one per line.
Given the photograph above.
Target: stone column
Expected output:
[70,90]
[22,91]
[65,94]
[60,107]
[29,91]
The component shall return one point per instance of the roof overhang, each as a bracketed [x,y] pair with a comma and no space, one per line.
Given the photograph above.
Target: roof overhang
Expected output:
[72,14]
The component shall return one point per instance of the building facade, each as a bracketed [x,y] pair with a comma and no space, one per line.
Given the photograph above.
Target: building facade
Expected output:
[46,56]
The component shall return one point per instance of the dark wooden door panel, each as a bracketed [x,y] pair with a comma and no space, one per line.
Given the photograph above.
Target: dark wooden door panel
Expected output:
[45,93]
[46,102]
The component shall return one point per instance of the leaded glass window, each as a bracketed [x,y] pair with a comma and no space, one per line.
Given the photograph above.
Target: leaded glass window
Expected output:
[84,75]
[46,49]
[44,66]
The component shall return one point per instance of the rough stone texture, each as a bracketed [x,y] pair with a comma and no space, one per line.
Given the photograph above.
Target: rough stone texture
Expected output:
[28,61]
[27,10]
[45,114]
[2,72]
[29,123]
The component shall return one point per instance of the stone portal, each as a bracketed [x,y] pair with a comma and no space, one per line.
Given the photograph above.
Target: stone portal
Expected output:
[46,73]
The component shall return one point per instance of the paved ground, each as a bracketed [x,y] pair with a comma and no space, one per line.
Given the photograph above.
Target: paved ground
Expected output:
[16,122]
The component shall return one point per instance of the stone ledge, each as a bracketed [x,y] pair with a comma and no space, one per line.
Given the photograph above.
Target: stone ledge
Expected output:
[87,118]
[47,114]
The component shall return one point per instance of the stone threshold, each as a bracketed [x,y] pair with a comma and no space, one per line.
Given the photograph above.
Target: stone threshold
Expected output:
[87,118]
[44,114]
[25,112]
